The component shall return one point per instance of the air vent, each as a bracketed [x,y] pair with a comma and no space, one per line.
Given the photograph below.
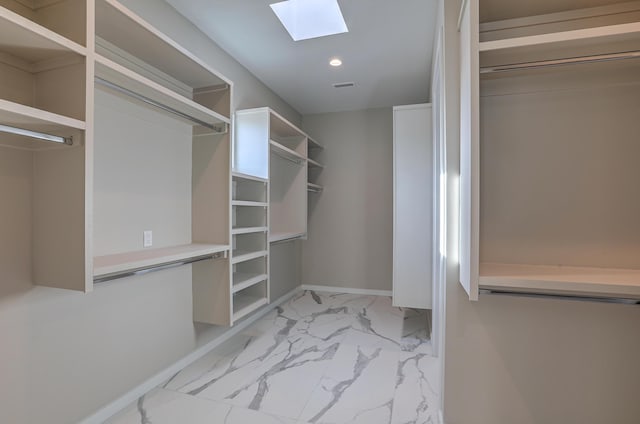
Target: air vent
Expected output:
[343,84]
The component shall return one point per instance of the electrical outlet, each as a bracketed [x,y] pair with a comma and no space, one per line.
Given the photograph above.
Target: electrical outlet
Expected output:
[147,238]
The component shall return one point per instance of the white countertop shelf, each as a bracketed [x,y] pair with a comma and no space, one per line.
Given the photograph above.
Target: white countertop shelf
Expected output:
[243,280]
[118,263]
[561,280]
[244,304]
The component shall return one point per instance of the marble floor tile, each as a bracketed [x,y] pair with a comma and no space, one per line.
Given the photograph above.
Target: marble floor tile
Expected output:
[357,387]
[320,358]
[416,396]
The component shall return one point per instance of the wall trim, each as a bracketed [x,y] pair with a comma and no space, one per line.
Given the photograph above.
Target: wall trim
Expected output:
[346,290]
[131,396]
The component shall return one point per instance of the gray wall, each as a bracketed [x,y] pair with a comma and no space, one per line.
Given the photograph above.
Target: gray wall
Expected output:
[63,354]
[350,225]
[530,361]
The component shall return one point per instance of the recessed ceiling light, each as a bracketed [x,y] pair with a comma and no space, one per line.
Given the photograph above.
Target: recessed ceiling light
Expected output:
[305,19]
[335,62]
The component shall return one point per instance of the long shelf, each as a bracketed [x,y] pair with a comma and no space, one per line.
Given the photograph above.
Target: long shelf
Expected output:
[120,26]
[130,80]
[286,152]
[314,188]
[248,230]
[313,144]
[313,164]
[563,280]
[140,259]
[238,256]
[31,42]
[276,237]
[243,280]
[597,40]
[243,305]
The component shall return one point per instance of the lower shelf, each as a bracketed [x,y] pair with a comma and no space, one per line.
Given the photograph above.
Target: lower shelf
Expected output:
[561,280]
[121,263]
[243,280]
[244,304]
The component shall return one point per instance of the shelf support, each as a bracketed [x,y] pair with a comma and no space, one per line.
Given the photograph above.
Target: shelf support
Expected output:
[37,135]
[221,128]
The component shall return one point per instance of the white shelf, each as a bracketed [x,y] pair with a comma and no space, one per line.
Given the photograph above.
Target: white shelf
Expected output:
[244,255]
[243,280]
[275,237]
[314,164]
[31,42]
[120,26]
[249,203]
[314,188]
[313,144]
[604,39]
[140,259]
[243,305]
[249,230]
[130,80]
[286,152]
[581,281]
[248,177]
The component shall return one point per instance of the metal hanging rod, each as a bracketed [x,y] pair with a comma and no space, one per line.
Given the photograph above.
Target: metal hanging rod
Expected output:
[278,152]
[561,62]
[561,296]
[37,135]
[161,267]
[158,105]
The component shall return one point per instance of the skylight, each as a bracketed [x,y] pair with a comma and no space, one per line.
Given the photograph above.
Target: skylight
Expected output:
[305,19]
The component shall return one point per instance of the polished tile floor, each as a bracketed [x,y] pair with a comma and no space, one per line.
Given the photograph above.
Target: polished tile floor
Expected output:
[320,358]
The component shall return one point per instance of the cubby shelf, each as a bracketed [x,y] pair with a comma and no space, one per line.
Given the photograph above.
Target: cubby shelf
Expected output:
[33,43]
[244,304]
[248,230]
[581,281]
[239,256]
[243,280]
[140,259]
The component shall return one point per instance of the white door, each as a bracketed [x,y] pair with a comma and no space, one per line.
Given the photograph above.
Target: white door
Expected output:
[413,206]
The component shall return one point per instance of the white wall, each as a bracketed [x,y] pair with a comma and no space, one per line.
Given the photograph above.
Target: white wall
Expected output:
[350,224]
[530,361]
[63,354]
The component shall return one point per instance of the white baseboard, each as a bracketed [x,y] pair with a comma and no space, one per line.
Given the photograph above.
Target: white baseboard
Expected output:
[119,404]
[346,290]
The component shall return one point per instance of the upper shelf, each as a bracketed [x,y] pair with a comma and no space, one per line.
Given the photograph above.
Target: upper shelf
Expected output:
[563,44]
[314,164]
[286,152]
[31,42]
[313,144]
[104,266]
[561,280]
[126,38]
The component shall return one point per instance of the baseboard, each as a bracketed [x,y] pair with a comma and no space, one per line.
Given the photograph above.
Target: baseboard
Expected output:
[346,290]
[119,404]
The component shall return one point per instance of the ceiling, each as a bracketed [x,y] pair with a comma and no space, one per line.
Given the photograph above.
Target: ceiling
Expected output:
[386,53]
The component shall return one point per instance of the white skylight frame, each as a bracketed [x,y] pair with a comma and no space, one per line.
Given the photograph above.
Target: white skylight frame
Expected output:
[307,19]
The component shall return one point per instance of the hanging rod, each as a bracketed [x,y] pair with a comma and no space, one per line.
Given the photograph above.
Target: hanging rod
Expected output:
[37,135]
[278,152]
[161,267]
[561,62]
[158,105]
[576,297]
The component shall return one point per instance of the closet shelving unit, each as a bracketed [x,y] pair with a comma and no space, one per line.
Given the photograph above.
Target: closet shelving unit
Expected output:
[548,193]
[315,165]
[140,65]
[250,254]
[44,149]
